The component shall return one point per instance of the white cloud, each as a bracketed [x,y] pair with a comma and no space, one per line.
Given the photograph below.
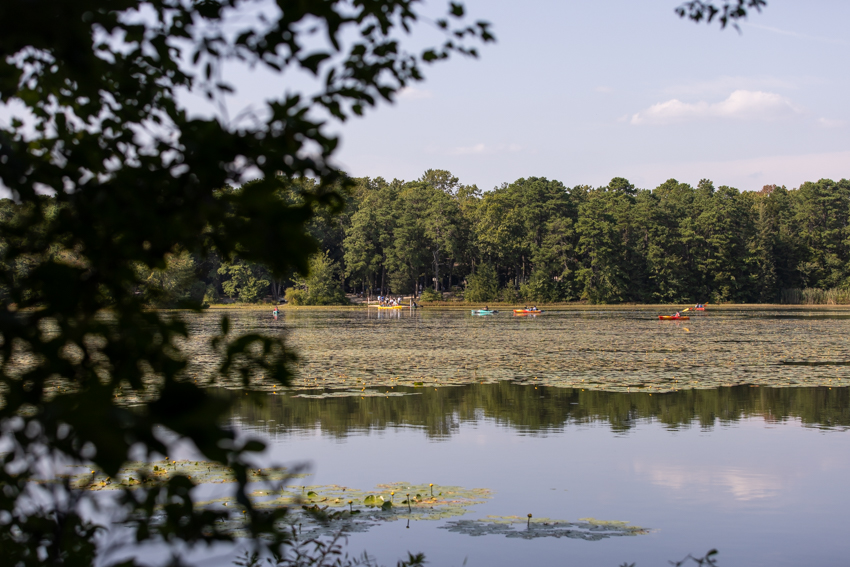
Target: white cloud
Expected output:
[740,105]
[412,93]
[742,485]
[723,84]
[829,123]
[483,149]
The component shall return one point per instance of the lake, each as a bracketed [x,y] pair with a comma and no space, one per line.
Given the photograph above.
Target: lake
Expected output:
[727,431]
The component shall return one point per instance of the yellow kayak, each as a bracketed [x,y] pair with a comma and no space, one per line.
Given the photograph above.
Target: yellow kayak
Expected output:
[389,307]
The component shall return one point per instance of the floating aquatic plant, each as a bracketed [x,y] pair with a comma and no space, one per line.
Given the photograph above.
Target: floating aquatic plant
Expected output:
[617,350]
[136,474]
[335,508]
[588,529]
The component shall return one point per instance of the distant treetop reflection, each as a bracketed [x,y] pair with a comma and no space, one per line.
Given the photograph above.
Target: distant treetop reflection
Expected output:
[440,412]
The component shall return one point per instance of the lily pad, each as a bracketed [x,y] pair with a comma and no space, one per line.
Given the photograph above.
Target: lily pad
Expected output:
[137,474]
[588,529]
[603,349]
[353,394]
[350,510]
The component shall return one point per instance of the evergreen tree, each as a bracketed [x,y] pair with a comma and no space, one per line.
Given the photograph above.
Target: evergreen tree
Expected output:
[483,285]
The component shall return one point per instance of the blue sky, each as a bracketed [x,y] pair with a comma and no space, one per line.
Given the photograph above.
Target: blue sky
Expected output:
[584,91]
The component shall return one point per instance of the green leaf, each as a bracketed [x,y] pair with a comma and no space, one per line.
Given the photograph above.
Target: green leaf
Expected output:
[313,61]
[254,446]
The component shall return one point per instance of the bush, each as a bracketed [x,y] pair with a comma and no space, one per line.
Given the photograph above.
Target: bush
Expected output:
[483,285]
[540,288]
[429,294]
[508,295]
[211,295]
[295,296]
[322,287]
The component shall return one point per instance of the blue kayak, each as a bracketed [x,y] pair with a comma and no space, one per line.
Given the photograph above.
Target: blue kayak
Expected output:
[483,311]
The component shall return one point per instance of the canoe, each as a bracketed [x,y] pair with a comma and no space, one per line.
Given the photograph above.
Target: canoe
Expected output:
[672,318]
[483,311]
[528,311]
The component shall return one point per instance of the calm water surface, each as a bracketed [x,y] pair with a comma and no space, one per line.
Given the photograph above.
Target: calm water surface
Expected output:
[759,473]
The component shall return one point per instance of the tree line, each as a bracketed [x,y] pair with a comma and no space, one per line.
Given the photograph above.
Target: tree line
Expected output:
[538,240]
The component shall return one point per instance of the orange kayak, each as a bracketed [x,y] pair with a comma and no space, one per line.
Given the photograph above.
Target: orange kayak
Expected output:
[672,318]
[528,311]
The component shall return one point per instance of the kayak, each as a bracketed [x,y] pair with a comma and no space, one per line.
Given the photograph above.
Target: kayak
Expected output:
[528,311]
[672,317]
[483,311]
[392,307]
[699,308]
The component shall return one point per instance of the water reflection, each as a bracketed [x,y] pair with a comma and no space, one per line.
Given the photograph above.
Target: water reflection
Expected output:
[741,484]
[537,410]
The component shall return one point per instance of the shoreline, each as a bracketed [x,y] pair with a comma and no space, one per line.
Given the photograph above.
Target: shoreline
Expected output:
[458,306]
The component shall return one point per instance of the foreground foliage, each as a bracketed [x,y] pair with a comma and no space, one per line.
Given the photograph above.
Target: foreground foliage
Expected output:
[113,183]
[121,196]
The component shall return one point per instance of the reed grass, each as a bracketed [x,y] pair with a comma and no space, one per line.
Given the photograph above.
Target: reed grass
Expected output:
[816,296]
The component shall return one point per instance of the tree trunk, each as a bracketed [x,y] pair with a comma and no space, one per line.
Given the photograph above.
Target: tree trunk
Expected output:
[436,272]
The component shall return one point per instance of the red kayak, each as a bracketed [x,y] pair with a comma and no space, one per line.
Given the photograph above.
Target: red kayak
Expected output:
[526,311]
[672,318]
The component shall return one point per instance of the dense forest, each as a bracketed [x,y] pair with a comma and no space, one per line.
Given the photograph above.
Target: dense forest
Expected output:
[538,240]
